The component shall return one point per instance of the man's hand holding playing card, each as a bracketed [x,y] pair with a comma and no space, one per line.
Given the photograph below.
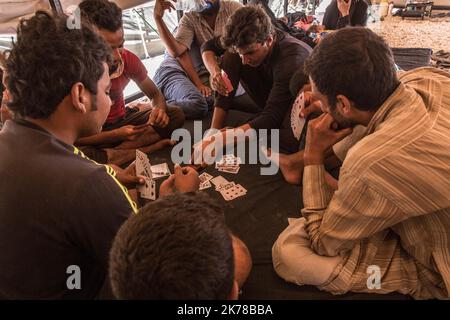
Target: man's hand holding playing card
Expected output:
[183,180]
[310,106]
[322,134]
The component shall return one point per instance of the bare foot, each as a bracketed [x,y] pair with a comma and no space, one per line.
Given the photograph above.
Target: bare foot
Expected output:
[122,156]
[119,156]
[291,165]
[147,138]
[158,145]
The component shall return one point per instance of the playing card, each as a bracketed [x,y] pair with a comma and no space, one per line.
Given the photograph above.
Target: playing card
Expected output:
[219,180]
[228,162]
[148,189]
[143,166]
[204,177]
[160,170]
[205,185]
[227,82]
[233,170]
[297,123]
[225,186]
[233,192]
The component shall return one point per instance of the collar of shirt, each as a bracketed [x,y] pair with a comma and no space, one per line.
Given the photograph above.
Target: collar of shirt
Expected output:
[393,100]
[273,53]
[420,89]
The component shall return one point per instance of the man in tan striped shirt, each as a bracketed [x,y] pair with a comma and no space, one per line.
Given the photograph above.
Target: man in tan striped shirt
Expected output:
[387,227]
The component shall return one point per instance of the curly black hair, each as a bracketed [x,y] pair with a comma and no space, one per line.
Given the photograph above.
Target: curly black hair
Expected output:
[246,26]
[297,82]
[356,63]
[102,13]
[47,59]
[177,247]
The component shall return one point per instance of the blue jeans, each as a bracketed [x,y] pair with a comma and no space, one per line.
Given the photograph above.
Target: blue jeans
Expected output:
[179,90]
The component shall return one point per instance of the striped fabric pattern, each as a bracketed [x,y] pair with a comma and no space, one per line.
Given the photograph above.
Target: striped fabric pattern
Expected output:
[392,208]
[110,171]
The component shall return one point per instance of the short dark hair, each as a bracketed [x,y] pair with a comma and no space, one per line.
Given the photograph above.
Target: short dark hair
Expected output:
[298,81]
[103,14]
[47,59]
[246,26]
[356,63]
[177,247]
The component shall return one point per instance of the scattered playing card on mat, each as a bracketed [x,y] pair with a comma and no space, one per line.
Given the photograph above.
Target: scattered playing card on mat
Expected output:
[233,192]
[219,180]
[205,177]
[160,170]
[205,185]
[228,189]
[229,163]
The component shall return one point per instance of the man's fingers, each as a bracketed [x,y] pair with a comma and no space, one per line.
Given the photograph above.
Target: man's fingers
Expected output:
[145,125]
[178,170]
[135,131]
[167,5]
[153,116]
[189,170]
[131,169]
[341,134]
[164,121]
[326,120]
[220,86]
[129,179]
[159,117]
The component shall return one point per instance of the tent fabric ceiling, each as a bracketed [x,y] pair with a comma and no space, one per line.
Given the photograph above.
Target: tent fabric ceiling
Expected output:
[11,11]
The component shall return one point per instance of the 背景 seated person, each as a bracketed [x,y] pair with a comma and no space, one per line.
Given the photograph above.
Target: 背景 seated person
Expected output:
[126,129]
[343,13]
[263,60]
[179,90]
[392,206]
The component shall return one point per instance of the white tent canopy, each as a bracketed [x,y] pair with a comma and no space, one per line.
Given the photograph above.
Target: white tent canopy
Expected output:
[11,11]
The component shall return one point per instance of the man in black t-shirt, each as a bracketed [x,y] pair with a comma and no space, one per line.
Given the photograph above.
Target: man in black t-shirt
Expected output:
[59,211]
[263,60]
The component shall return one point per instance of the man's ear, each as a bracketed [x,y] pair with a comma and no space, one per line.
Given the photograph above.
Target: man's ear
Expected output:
[234,295]
[344,104]
[269,40]
[80,97]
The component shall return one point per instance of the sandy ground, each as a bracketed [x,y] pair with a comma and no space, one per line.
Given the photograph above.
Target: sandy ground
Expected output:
[431,33]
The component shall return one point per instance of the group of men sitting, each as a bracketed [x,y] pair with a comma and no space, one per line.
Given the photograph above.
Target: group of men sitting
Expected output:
[61,211]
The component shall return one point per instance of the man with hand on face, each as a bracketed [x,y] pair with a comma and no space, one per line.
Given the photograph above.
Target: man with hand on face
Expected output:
[126,129]
[386,227]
